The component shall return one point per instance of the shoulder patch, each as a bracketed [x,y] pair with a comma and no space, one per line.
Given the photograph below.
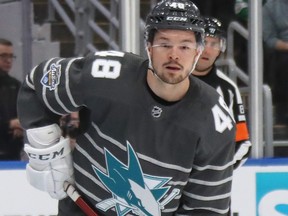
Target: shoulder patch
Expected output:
[51,78]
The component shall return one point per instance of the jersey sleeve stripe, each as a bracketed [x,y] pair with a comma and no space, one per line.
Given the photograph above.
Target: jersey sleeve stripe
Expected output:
[29,79]
[57,97]
[60,102]
[219,211]
[67,82]
[207,198]
[212,167]
[209,183]
[29,83]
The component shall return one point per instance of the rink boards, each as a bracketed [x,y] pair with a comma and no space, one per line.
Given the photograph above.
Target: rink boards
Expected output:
[260,187]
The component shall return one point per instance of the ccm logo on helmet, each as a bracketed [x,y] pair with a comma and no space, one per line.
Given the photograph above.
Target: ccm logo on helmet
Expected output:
[45,157]
[181,19]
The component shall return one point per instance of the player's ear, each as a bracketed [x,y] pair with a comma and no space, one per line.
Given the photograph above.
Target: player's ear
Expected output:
[148,47]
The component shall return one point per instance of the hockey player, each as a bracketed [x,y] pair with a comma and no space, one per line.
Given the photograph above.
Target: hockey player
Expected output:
[215,43]
[155,140]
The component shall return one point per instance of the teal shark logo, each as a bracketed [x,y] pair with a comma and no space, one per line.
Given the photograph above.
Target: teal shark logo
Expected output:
[133,191]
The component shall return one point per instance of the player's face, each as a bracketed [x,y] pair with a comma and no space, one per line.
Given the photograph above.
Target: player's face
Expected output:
[6,57]
[209,55]
[171,54]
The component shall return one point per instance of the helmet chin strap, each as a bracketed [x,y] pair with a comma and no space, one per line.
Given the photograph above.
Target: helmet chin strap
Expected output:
[150,66]
[200,50]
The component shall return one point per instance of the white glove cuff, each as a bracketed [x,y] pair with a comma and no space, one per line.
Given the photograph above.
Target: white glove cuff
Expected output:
[43,137]
[48,155]
[40,179]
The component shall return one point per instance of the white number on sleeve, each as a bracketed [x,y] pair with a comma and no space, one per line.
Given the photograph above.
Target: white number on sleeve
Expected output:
[222,120]
[103,68]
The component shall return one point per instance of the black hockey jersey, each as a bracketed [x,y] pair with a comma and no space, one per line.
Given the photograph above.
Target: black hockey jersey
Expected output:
[138,154]
[232,97]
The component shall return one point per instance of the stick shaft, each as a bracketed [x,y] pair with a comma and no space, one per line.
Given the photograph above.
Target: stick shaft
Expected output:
[76,197]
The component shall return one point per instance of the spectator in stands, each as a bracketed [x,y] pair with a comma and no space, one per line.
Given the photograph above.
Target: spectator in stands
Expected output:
[275,36]
[215,43]
[11,133]
[241,10]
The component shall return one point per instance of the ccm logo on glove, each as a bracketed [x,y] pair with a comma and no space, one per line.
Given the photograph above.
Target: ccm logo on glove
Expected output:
[48,156]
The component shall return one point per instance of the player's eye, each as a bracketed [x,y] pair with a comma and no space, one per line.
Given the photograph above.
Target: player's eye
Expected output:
[166,46]
[184,47]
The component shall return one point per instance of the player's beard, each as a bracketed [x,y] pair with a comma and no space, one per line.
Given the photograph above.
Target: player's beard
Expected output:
[179,79]
[170,79]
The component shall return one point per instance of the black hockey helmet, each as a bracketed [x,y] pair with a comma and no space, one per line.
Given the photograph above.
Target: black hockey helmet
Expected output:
[175,14]
[214,28]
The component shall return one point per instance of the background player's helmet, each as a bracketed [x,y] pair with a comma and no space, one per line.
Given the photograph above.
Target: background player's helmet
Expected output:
[175,14]
[214,28]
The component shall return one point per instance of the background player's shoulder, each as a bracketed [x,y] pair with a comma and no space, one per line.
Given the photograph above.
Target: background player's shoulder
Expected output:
[225,79]
[205,91]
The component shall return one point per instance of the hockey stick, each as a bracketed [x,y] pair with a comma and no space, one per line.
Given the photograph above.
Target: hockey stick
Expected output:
[76,197]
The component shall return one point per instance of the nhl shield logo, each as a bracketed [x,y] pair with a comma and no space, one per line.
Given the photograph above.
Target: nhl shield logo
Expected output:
[156,112]
[51,78]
